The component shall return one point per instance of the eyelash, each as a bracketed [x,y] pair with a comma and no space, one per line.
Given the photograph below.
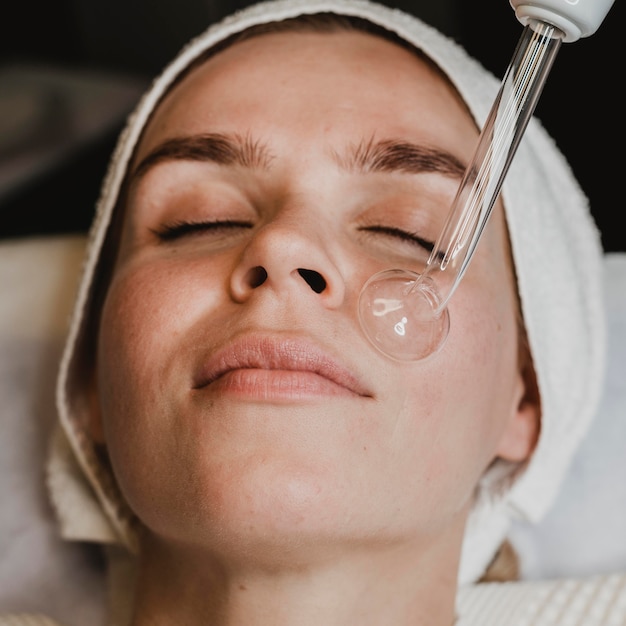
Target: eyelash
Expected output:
[401,234]
[177,230]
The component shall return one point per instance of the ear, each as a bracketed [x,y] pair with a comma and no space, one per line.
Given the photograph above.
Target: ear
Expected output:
[94,425]
[522,432]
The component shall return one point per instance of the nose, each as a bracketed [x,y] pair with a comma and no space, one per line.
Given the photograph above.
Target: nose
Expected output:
[288,259]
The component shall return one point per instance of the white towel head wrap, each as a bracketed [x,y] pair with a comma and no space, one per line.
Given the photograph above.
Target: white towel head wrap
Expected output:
[557,255]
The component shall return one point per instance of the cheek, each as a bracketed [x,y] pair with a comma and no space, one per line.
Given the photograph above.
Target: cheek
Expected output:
[445,426]
[472,393]
[143,333]
[148,310]
[140,314]
[486,347]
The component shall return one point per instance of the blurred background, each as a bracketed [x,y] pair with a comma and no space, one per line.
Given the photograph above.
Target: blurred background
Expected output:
[71,71]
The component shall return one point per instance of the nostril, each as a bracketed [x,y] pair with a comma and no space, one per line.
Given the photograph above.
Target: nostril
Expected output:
[313,279]
[257,276]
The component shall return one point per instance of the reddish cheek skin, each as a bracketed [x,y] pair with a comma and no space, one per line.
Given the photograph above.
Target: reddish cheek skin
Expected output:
[159,297]
[140,321]
[428,433]
[482,345]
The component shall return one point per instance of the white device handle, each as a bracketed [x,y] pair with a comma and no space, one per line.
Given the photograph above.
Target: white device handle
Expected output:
[575,18]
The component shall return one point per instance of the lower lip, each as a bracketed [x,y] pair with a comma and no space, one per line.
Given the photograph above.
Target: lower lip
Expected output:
[272,385]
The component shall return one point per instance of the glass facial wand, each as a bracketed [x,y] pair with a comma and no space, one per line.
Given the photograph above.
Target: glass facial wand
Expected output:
[405,314]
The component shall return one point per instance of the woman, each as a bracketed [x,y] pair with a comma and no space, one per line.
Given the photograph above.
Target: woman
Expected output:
[255,459]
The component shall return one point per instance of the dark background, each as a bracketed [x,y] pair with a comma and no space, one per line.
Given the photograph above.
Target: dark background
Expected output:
[133,39]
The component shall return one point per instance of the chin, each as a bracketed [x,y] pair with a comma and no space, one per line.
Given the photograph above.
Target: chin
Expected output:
[275,511]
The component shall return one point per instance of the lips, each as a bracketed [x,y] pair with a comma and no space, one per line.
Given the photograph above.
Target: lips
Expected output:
[291,359]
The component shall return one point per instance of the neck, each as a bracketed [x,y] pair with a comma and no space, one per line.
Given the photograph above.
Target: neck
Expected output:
[400,584]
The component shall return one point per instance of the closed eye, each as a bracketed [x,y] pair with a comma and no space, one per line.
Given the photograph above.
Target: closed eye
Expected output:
[176,230]
[404,235]
[401,234]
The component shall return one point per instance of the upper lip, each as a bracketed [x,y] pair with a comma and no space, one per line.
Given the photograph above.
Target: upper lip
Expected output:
[277,353]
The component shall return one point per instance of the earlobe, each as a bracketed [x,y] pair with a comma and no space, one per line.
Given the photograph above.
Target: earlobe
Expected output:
[522,433]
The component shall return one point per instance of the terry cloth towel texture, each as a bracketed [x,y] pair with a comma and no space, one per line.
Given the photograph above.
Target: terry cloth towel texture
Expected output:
[557,254]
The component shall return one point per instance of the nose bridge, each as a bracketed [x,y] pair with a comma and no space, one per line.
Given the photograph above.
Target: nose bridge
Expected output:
[290,253]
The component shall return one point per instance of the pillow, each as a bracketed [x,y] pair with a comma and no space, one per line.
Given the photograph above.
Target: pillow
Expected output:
[39,572]
[584,533]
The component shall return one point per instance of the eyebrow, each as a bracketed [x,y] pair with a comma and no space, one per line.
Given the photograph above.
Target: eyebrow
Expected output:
[366,157]
[400,156]
[219,148]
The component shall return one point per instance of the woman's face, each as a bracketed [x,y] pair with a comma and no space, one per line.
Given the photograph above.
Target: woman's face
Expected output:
[240,402]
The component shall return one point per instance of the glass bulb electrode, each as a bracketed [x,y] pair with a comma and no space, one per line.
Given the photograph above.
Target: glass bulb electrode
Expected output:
[405,314]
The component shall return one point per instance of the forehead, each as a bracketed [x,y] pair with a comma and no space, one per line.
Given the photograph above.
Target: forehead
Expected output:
[348,80]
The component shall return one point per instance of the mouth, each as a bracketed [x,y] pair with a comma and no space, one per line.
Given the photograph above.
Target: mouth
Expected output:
[272,368]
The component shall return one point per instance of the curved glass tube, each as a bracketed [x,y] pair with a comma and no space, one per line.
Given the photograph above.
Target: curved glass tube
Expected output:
[405,314]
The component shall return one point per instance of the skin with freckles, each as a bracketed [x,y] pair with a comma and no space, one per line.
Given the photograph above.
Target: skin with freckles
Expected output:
[283,470]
